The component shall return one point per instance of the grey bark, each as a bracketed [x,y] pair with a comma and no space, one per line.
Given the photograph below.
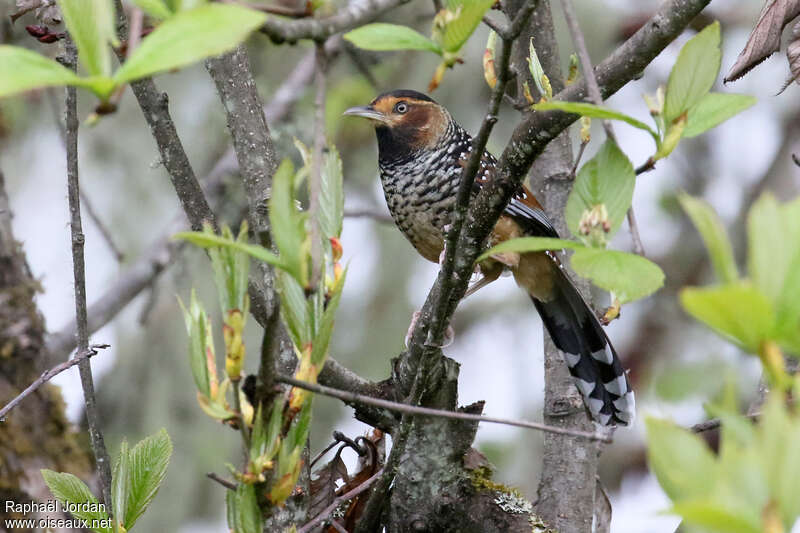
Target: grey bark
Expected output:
[569,465]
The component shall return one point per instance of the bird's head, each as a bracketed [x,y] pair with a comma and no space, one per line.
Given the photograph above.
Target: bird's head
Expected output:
[405,122]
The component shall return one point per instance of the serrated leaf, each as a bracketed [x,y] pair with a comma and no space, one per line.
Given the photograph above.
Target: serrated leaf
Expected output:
[204,240]
[468,15]
[714,236]
[628,276]
[190,36]
[594,111]
[231,267]
[529,244]
[287,223]
[713,109]
[92,25]
[148,464]
[323,338]
[694,72]
[197,328]
[157,9]
[738,312]
[120,484]
[605,180]
[242,511]
[331,198]
[293,307]
[68,488]
[380,36]
[23,70]
[681,461]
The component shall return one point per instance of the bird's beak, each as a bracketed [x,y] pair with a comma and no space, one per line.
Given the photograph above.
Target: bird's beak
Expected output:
[367,112]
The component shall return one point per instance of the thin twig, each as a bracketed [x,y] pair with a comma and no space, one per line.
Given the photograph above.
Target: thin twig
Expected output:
[325,513]
[315,178]
[321,454]
[101,227]
[441,413]
[53,100]
[230,485]
[578,158]
[377,216]
[275,9]
[73,192]
[597,98]
[715,423]
[348,17]
[47,375]
[586,62]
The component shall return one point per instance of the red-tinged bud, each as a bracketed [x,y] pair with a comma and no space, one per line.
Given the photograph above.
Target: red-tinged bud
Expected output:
[336,248]
[37,31]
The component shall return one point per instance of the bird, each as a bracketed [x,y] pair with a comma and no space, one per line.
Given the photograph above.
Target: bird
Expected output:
[422,151]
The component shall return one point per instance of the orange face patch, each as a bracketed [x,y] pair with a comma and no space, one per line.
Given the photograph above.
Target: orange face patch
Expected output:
[421,122]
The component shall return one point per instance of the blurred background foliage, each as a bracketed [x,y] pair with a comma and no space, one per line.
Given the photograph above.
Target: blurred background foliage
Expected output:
[144,379]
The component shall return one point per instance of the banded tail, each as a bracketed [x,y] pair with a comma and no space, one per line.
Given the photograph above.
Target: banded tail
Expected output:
[577,332]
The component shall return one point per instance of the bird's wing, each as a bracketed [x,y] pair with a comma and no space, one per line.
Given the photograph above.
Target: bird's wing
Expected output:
[524,208]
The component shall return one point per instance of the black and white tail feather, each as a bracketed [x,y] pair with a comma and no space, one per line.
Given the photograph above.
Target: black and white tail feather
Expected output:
[591,358]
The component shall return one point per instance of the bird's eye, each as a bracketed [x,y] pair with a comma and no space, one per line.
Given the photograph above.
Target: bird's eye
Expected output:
[401,108]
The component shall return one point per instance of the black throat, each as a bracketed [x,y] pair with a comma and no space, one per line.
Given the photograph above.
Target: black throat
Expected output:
[395,145]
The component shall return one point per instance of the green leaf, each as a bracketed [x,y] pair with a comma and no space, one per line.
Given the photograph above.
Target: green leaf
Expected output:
[293,307]
[120,484]
[713,516]
[231,267]
[200,338]
[681,461]
[383,37]
[68,488]
[594,111]
[331,198]
[468,14]
[694,72]
[157,9]
[190,36]
[23,70]
[628,276]
[739,312]
[92,25]
[288,223]
[243,513]
[714,109]
[530,244]
[319,348]
[605,180]
[714,236]
[148,468]
[537,73]
[205,240]
[773,232]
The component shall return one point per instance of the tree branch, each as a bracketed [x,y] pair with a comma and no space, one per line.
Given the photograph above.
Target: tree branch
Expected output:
[47,375]
[352,397]
[73,193]
[355,14]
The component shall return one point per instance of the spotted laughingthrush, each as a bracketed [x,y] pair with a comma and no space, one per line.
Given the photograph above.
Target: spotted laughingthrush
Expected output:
[421,154]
